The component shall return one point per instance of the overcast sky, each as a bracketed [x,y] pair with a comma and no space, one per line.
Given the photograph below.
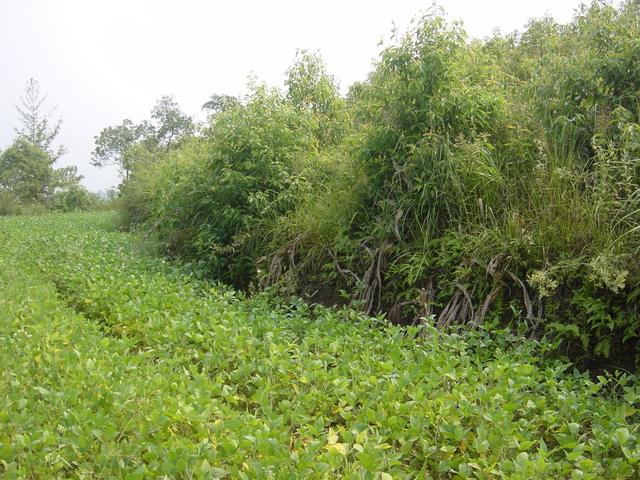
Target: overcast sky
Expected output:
[103,61]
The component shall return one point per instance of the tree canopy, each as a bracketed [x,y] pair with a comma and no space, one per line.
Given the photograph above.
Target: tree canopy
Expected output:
[112,144]
[220,103]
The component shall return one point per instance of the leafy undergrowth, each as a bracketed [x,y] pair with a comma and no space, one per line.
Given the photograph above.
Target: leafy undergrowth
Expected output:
[118,365]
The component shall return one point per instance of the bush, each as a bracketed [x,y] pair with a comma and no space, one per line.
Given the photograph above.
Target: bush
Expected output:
[74,198]
[8,204]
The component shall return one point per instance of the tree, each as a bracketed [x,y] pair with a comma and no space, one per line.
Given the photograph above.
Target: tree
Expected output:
[171,123]
[36,127]
[76,197]
[26,167]
[26,172]
[127,143]
[220,103]
[113,144]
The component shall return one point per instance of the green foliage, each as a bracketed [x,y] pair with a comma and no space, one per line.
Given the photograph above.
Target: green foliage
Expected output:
[137,190]
[74,198]
[113,145]
[29,183]
[312,90]
[117,364]
[26,172]
[9,205]
[171,125]
[128,143]
[220,103]
[486,182]
[209,210]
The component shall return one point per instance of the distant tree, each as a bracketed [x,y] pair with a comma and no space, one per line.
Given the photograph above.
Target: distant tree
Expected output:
[171,124]
[36,127]
[127,143]
[26,172]
[220,103]
[113,144]
[26,167]
[76,197]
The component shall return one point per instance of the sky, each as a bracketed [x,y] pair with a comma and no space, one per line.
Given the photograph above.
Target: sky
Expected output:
[101,61]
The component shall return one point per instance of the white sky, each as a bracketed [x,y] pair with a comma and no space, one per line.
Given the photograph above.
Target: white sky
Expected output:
[101,61]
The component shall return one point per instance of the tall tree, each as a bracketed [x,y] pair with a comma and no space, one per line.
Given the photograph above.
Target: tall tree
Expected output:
[36,125]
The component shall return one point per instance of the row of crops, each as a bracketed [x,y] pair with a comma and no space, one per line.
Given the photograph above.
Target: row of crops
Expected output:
[117,364]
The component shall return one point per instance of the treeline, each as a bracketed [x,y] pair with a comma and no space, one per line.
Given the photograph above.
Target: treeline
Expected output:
[29,180]
[482,182]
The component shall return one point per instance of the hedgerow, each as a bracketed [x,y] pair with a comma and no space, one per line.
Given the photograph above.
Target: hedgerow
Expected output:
[489,182]
[118,364]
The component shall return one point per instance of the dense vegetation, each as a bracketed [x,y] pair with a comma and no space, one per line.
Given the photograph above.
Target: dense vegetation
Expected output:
[487,182]
[117,364]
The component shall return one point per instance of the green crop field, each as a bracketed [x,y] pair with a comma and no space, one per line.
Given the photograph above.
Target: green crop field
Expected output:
[117,364]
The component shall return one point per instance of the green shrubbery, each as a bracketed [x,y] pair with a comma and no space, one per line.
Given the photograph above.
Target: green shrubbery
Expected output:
[485,182]
[117,364]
